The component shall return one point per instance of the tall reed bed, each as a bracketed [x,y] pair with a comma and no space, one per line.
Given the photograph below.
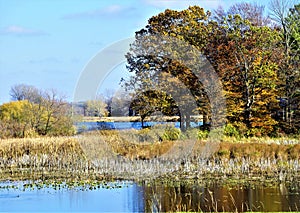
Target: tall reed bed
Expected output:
[48,156]
[123,155]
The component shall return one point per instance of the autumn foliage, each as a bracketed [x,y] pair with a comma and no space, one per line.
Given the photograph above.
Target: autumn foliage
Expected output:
[249,54]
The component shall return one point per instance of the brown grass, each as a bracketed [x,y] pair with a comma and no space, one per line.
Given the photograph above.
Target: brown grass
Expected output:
[113,154]
[257,151]
[125,144]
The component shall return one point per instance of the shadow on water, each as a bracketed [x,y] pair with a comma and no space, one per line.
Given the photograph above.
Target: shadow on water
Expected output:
[153,197]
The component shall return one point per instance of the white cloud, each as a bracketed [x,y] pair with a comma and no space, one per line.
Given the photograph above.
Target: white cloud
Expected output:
[109,11]
[183,4]
[21,31]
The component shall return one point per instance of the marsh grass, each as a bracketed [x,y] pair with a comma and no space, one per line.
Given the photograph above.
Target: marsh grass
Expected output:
[111,154]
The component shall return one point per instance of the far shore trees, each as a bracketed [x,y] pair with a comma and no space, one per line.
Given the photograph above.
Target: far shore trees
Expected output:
[96,107]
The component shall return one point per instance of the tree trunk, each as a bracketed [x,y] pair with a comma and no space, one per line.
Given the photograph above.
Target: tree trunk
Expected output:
[182,122]
[188,121]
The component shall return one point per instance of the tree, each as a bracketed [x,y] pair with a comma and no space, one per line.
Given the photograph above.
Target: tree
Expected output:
[108,98]
[55,114]
[289,21]
[15,118]
[244,56]
[161,73]
[243,53]
[247,11]
[120,103]
[21,92]
[97,107]
[150,102]
[40,113]
[293,22]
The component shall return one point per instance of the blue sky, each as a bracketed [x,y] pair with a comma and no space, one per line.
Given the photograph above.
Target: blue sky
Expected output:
[48,43]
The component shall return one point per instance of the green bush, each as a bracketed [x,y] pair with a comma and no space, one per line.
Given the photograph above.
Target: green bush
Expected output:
[202,134]
[194,133]
[171,135]
[166,132]
[232,131]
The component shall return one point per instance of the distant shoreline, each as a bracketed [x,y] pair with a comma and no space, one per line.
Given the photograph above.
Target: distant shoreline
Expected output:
[137,118]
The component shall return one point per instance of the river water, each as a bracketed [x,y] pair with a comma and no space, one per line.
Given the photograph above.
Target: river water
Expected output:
[152,197]
[88,126]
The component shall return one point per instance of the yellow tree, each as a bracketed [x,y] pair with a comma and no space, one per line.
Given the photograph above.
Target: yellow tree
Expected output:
[16,118]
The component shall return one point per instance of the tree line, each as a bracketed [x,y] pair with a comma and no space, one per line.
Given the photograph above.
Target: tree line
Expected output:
[255,56]
[35,112]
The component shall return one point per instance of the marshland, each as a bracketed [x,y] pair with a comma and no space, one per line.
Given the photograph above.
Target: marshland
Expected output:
[204,116]
[163,175]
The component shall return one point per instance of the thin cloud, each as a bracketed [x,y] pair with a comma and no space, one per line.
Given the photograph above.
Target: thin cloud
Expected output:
[112,11]
[21,31]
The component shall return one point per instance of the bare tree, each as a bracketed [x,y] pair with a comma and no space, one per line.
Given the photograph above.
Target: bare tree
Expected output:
[25,92]
[279,12]
[250,11]
[280,9]
[54,109]
[120,104]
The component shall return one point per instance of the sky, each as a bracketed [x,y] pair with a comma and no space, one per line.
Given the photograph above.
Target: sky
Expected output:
[49,43]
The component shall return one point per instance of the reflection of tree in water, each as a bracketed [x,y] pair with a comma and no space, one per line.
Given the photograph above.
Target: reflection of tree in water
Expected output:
[136,196]
[216,197]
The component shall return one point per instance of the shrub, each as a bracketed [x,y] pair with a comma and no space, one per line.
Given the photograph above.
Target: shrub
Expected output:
[166,132]
[232,131]
[202,134]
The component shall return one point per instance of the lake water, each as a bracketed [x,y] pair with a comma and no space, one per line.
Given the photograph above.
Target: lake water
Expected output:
[88,126]
[132,197]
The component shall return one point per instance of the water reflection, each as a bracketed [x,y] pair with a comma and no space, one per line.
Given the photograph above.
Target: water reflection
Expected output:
[216,197]
[155,197]
[128,198]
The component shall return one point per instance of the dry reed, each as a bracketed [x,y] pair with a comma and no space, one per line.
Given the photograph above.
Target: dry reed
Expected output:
[109,154]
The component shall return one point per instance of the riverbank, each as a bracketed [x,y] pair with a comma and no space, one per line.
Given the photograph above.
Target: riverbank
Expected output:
[108,155]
